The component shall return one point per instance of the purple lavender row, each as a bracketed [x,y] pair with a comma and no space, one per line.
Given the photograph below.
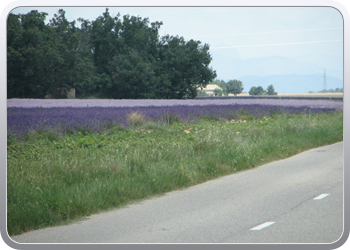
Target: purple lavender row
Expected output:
[20,121]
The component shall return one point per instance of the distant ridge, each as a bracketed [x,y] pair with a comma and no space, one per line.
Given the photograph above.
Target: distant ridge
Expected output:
[292,83]
[288,75]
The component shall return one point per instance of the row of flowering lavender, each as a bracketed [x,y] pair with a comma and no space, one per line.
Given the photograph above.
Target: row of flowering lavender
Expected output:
[20,121]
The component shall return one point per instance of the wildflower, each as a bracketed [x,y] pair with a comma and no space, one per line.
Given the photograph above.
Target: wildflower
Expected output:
[181,167]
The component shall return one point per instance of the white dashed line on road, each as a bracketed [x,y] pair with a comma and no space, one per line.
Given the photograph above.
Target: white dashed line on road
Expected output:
[321,196]
[261,226]
[269,223]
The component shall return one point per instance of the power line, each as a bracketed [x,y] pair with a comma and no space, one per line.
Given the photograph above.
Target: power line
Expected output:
[274,44]
[270,32]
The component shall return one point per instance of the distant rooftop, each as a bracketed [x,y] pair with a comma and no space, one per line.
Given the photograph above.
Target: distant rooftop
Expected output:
[212,87]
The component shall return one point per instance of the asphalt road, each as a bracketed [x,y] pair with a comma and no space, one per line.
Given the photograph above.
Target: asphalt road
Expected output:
[274,203]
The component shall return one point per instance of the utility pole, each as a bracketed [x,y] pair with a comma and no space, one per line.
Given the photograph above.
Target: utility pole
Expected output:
[325,81]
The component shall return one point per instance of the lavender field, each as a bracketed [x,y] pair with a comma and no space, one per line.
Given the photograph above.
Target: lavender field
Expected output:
[26,115]
[49,103]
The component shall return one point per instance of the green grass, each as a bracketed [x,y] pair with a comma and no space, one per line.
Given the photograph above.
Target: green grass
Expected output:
[53,179]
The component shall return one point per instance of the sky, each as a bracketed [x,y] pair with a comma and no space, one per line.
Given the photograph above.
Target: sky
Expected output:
[236,35]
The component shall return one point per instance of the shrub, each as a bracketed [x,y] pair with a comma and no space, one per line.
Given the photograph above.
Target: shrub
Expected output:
[136,119]
[256,90]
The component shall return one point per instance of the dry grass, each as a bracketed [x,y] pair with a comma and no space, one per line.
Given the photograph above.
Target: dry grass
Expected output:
[313,94]
[303,94]
[136,119]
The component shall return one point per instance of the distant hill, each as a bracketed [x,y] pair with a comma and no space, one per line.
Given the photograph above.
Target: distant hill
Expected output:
[292,83]
[292,75]
[287,75]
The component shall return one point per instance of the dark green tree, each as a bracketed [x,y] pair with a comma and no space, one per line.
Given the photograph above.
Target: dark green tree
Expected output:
[125,53]
[133,69]
[15,58]
[256,91]
[104,34]
[109,57]
[252,90]
[27,36]
[234,87]
[183,67]
[43,58]
[85,73]
[72,66]
[270,90]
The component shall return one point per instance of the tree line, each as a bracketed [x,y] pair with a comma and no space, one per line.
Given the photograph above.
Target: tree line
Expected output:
[270,90]
[236,87]
[110,57]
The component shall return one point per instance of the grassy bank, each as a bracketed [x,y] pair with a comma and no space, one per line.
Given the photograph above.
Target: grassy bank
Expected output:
[52,179]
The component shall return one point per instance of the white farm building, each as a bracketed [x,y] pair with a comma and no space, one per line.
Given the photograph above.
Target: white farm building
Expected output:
[209,89]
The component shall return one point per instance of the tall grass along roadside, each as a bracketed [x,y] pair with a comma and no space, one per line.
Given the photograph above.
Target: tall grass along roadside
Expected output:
[55,177]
